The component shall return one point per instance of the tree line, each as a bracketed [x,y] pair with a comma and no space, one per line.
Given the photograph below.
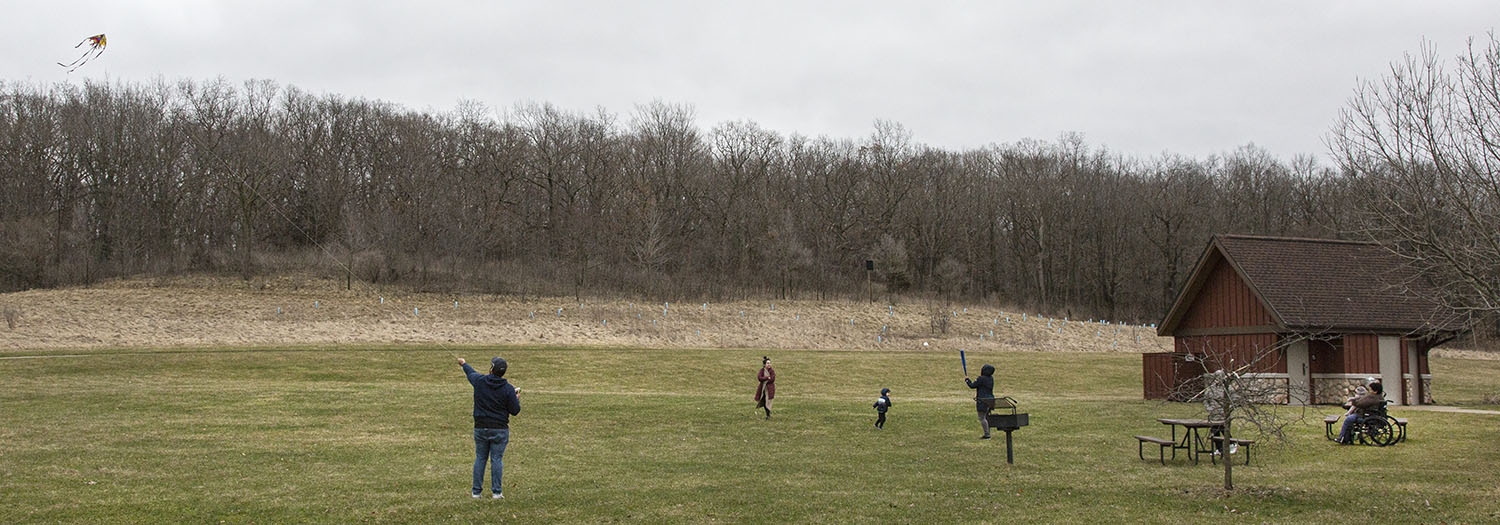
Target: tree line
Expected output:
[102,180]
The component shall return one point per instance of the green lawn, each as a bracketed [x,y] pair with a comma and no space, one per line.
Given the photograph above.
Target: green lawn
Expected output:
[609,435]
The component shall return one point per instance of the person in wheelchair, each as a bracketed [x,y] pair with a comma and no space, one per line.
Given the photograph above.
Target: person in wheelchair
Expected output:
[1372,403]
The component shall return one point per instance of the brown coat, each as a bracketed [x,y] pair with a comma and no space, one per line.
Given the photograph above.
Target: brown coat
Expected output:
[767,388]
[1368,403]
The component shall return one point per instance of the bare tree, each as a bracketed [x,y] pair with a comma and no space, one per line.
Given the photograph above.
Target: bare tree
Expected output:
[115,179]
[1421,147]
[1232,385]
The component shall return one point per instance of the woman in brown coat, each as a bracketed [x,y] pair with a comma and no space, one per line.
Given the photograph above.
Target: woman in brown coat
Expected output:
[767,390]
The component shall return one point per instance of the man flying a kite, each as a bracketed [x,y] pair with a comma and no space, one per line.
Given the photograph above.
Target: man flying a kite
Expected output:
[96,47]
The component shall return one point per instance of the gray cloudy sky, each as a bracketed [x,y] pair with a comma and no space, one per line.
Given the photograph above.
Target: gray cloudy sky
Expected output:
[1141,78]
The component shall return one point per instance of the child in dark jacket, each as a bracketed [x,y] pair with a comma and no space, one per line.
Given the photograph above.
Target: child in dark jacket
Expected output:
[984,396]
[882,404]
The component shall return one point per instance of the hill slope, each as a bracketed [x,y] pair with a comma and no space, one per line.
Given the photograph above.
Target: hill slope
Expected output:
[211,311]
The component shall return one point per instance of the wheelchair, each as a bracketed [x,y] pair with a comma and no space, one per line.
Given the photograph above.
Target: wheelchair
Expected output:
[1376,428]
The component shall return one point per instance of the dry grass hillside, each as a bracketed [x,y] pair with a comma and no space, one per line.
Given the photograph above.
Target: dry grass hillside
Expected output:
[219,311]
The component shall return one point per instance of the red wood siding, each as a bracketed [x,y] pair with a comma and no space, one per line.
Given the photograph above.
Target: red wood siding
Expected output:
[1225,301]
[1324,356]
[1159,375]
[1422,359]
[1360,354]
[1242,348]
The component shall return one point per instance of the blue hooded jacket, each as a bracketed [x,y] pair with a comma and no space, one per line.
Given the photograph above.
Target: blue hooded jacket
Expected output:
[494,399]
[884,396]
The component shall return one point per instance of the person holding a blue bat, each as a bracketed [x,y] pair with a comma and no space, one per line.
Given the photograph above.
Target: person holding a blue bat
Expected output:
[984,392]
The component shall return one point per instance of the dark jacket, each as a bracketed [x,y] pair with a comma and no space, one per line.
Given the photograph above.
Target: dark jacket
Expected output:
[984,389]
[1369,404]
[882,407]
[494,400]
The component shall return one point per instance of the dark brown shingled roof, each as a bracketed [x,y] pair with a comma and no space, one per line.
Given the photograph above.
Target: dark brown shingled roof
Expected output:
[1332,285]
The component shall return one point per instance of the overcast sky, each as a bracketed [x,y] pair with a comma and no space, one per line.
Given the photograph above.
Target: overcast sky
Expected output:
[1141,78]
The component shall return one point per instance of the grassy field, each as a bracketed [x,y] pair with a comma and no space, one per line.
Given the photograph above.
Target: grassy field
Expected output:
[350,434]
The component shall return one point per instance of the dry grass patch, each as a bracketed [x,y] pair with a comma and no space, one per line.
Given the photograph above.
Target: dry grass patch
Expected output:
[206,311]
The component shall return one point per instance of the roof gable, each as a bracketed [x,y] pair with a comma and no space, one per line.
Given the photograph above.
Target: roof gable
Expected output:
[1225,300]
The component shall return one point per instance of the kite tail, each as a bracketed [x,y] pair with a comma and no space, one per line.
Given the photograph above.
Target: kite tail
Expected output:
[87,60]
[75,61]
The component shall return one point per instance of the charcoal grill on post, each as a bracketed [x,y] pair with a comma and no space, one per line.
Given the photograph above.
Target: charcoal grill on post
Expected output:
[1008,423]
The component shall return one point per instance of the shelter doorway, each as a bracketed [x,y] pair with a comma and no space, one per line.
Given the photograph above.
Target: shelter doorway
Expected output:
[1299,390]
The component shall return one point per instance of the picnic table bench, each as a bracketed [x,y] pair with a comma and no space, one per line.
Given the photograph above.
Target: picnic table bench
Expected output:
[1193,443]
[1161,452]
[1330,421]
[1241,444]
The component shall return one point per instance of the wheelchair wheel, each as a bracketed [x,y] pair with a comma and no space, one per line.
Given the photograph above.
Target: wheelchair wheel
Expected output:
[1390,422]
[1378,432]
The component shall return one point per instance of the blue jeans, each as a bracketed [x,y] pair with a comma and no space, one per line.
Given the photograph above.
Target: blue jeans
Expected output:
[1344,433]
[489,444]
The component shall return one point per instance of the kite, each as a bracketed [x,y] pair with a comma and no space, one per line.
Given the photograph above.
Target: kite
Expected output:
[96,47]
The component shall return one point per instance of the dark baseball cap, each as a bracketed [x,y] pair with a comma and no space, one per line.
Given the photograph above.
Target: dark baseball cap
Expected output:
[497,364]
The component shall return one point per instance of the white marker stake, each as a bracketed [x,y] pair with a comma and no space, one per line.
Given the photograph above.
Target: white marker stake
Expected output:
[559,312]
[533,314]
[455,305]
[315,305]
[415,311]
[278,310]
[606,322]
[382,300]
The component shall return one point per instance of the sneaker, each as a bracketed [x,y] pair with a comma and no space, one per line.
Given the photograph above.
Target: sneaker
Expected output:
[474,495]
[1217,452]
[496,495]
[1233,447]
[984,437]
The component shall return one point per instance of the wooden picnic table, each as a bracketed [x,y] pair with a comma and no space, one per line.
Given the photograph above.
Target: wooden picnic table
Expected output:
[1191,441]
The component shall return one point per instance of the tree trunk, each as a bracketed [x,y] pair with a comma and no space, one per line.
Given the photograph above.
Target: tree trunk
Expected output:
[1228,463]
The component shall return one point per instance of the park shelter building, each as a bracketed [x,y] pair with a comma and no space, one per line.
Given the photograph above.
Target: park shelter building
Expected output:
[1326,315]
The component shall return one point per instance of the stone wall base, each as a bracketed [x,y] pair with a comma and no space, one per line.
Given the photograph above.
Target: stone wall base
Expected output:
[1334,390]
